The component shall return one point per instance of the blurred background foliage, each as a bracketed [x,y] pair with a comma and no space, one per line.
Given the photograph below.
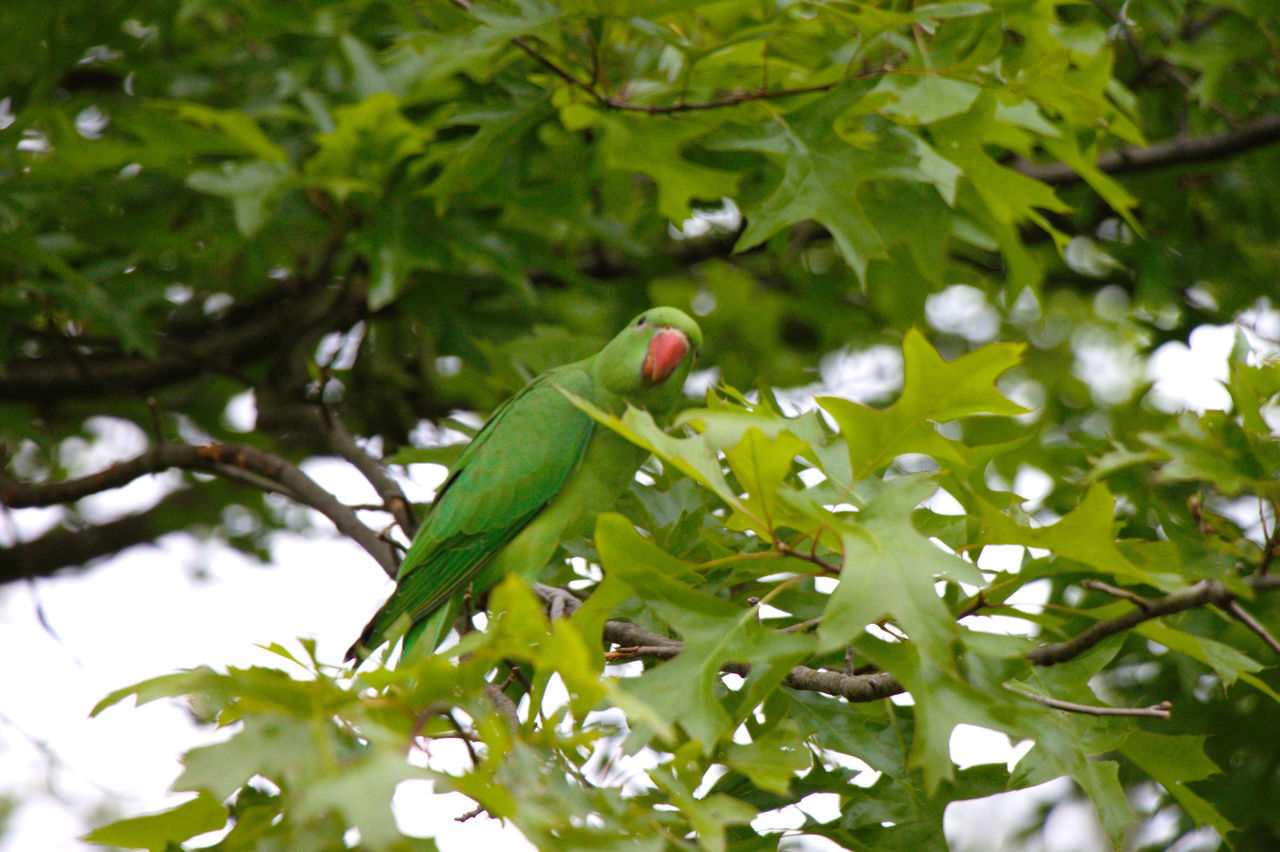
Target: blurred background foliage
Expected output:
[398,211]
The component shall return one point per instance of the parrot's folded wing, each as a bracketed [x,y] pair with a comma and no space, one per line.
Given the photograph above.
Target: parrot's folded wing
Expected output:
[512,469]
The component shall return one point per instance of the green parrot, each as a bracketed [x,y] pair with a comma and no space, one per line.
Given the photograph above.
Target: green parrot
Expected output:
[537,468]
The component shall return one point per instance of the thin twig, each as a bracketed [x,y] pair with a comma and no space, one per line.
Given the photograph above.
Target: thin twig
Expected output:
[1253,624]
[1271,542]
[462,735]
[157,425]
[660,652]
[811,557]
[253,480]
[618,103]
[471,814]
[717,103]
[420,720]
[1115,592]
[733,99]
[1158,711]
[972,607]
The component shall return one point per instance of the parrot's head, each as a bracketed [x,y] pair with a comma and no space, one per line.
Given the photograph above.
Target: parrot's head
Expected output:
[652,356]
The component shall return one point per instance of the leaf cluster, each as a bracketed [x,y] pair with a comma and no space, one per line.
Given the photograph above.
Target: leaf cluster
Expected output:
[820,541]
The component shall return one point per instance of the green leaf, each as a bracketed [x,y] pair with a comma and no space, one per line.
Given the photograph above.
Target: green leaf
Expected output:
[1008,196]
[1228,663]
[709,816]
[1174,761]
[235,125]
[822,175]
[163,831]
[1084,162]
[890,569]
[760,465]
[277,747]
[715,632]
[1083,534]
[250,187]
[1211,448]
[164,686]
[925,99]
[656,148]
[934,391]
[361,793]
[521,632]
[369,141]
[485,152]
[1100,780]
[1252,386]
[771,760]
[369,78]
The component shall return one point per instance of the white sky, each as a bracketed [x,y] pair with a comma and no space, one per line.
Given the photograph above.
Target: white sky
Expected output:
[153,610]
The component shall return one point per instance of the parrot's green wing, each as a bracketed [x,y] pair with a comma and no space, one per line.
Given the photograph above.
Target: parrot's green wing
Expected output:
[511,470]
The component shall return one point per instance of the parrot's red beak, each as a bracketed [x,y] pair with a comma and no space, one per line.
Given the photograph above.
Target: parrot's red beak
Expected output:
[666,350]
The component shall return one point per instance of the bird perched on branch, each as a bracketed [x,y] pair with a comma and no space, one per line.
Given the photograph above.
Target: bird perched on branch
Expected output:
[538,466]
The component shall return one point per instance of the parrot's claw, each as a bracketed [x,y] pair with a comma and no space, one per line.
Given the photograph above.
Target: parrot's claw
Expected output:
[561,603]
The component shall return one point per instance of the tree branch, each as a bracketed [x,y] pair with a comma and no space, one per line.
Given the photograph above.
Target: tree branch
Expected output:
[1253,624]
[1202,593]
[1158,711]
[636,642]
[1271,542]
[392,495]
[1137,600]
[633,641]
[61,548]
[1181,149]
[218,458]
[248,332]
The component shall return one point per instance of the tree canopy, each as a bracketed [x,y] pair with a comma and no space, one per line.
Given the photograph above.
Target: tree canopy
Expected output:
[374,215]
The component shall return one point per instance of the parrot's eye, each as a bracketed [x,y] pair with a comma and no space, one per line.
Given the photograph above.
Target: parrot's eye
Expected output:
[640,322]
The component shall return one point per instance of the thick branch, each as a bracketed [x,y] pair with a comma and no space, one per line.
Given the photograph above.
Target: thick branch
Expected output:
[216,458]
[249,332]
[61,548]
[1181,149]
